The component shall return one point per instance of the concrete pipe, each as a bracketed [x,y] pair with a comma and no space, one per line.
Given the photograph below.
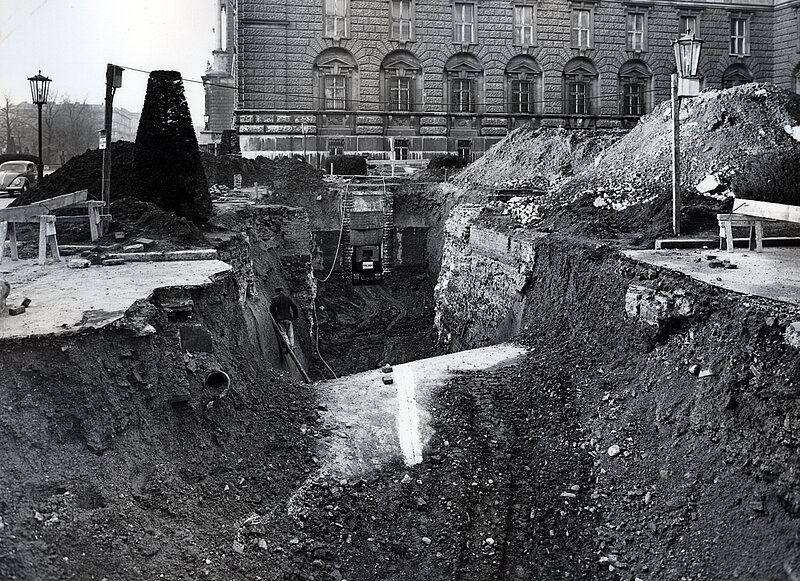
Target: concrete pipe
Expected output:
[218,381]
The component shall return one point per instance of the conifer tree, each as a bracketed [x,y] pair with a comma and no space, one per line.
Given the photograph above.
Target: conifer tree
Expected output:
[167,170]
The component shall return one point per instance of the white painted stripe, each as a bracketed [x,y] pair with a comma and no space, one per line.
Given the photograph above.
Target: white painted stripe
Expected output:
[408,415]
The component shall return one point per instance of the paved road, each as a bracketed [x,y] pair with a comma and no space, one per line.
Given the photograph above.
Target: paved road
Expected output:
[5,201]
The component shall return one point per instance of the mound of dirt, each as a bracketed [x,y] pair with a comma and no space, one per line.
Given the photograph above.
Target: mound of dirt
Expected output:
[281,175]
[537,158]
[721,133]
[742,140]
[85,172]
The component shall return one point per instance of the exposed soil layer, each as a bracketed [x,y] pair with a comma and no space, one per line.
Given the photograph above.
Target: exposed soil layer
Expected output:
[365,326]
[106,475]
[600,457]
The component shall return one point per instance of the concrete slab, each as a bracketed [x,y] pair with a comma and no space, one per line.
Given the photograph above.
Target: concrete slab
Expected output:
[773,273]
[66,300]
[372,423]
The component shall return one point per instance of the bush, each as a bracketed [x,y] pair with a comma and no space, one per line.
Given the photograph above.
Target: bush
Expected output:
[166,168]
[348,165]
[447,162]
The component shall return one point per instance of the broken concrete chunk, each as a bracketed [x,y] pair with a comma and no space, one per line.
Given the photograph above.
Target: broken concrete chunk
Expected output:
[79,263]
[705,373]
[386,368]
[694,369]
[716,264]
[26,302]
[146,242]
[133,248]
[387,380]
[119,235]
[793,131]
[614,450]
[16,310]
[708,184]
[792,335]
[113,261]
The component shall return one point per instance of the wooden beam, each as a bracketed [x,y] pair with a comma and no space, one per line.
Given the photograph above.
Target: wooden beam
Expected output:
[783,212]
[63,201]
[25,213]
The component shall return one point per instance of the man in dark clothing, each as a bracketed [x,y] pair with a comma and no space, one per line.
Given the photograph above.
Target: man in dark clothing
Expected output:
[284,311]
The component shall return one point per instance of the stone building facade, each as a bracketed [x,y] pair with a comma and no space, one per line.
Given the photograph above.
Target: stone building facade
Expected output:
[219,78]
[399,79]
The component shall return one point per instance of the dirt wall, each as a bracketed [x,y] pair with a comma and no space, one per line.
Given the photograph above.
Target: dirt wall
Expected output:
[693,468]
[119,461]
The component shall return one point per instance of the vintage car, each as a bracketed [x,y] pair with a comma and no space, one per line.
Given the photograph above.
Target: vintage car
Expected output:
[17,176]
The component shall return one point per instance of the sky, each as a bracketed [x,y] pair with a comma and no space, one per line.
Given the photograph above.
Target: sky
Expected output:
[72,41]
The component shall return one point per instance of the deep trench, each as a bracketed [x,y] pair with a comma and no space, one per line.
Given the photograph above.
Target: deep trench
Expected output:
[517,481]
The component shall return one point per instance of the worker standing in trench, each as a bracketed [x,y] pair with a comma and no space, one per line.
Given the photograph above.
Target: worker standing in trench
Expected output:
[284,311]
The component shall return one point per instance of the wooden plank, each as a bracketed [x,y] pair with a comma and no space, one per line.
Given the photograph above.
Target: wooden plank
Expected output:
[63,201]
[24,213]
[771,210]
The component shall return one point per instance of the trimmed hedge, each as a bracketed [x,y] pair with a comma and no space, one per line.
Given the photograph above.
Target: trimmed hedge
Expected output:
[348,165]
[167,170]
[447,162]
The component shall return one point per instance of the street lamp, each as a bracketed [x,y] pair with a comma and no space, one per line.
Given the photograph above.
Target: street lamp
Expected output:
[685,83]
[40,85]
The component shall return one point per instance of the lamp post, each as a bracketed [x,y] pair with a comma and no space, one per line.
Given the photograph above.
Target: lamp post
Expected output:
[40,85]
[685,83]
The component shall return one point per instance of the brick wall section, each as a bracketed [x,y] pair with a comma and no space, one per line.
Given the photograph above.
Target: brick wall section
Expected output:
[279,41]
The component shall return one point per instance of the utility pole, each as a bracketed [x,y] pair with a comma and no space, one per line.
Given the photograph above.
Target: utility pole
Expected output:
[113,81]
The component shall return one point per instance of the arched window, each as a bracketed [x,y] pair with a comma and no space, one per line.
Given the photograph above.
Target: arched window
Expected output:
[401,81]
[464,79]
[580,87]
[523,85]
[635,80]
[335,80]
[737,74]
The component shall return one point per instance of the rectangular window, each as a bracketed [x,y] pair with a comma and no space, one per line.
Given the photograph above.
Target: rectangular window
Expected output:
[522,96]
[402,22]
[524,25]
[582,28]
[633,98]
[336,18]
[400,94]
[463,101]
[739,37]
[335,94]
[335,146]
[578,98]
[464,148]
[464,22]
[687,24]
[636,32]
[401,149]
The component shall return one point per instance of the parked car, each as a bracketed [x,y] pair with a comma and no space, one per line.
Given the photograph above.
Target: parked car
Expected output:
[17,177]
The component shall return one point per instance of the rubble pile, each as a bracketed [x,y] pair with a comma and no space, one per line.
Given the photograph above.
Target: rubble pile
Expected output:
[740,141]
[537,158]
[721,133]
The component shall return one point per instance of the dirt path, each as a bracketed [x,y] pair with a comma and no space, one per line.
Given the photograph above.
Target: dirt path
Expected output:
[367,423]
